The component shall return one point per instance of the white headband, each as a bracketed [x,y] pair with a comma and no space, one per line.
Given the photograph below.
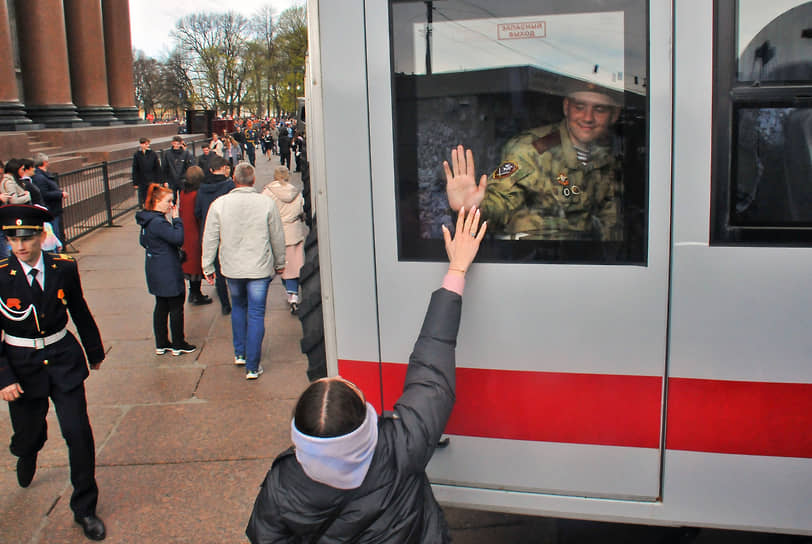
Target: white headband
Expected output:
[338,461]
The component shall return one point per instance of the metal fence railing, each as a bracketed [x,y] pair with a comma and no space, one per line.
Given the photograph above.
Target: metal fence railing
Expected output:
[99,193]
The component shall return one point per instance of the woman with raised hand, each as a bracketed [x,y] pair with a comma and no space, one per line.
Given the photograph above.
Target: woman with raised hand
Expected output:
[162,237]
[354,477]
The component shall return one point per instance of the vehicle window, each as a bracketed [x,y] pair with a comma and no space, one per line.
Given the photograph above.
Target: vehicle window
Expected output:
[551,98]
[763,152]
[774,40]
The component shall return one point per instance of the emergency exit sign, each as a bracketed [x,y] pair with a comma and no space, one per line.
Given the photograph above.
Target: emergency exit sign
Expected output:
[522,31]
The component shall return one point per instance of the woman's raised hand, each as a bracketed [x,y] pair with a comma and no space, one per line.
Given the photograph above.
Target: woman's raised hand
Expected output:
[463,247]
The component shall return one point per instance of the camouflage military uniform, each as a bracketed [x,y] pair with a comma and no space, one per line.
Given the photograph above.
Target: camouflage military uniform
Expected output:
[542,191]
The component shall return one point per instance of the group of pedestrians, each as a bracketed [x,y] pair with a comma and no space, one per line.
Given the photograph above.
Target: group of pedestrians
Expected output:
[218,227]
[28,181]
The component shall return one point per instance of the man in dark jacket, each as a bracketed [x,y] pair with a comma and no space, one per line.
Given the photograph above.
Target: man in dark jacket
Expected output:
[368,483]
[203,158]
[214,185]
[52,195]
[284,147]
[176,161]
[146,169]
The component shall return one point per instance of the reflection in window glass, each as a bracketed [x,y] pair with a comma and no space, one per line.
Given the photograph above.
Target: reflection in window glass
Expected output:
[772,184]
[552,100]
[775,40]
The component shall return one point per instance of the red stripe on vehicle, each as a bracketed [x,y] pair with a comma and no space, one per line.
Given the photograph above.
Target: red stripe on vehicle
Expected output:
[748,418]
[539,406]
[717,416]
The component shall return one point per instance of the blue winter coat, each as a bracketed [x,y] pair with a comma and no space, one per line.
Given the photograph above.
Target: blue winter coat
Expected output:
[162,240]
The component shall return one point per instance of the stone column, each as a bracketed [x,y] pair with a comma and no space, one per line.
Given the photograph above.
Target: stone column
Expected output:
[44,58]
[119,54]
[88,71]
[12,111]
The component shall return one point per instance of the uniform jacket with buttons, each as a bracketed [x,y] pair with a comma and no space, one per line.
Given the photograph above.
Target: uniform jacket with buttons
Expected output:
[61,364]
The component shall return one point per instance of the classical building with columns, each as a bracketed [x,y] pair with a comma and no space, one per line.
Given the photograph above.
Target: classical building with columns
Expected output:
[65,64]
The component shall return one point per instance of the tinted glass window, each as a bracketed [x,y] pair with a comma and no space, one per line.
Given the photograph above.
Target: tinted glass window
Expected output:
[552,100]
[774,40]
[772,181]
[763,122]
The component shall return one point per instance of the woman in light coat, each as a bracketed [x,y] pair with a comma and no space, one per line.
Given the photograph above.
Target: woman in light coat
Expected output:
[11,184]
[290,203]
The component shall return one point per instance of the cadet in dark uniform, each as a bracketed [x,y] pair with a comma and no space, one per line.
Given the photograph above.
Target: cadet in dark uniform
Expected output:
[41,359]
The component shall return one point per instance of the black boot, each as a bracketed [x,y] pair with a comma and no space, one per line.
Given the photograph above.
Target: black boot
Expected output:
[196,297]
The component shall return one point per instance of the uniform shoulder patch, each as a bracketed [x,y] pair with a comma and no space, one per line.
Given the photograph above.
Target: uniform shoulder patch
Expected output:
[4,262]
[506,169]
[63,257]
[546,142]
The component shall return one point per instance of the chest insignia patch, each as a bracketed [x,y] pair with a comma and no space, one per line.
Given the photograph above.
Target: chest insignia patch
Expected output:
[14,303]
[12,272]
[562,179]
[507,168]
[61,296]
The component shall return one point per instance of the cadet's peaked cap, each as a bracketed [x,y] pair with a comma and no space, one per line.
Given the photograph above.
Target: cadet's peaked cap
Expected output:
[23,219]
[575,86]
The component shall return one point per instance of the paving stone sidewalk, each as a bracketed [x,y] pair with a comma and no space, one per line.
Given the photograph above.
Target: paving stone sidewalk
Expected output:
[182,442]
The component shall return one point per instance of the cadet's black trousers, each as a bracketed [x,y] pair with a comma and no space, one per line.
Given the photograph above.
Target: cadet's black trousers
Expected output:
[31,431]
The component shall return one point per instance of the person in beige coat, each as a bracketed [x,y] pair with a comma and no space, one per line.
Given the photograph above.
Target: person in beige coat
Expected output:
[289,201]
[11,185]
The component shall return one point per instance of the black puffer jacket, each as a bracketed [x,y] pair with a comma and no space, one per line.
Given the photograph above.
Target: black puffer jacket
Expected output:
[395,503]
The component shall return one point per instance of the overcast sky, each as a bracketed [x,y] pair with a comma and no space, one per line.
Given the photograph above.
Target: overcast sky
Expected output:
[152,20]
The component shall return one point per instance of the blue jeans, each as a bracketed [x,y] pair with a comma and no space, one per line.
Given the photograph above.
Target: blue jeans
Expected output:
[292,286]
[248,317]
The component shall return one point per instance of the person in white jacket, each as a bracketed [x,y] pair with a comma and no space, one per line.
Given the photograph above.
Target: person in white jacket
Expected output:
[290,202]
[245,228]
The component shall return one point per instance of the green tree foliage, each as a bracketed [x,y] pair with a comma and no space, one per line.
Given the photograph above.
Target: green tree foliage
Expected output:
[292,43]
[227,62]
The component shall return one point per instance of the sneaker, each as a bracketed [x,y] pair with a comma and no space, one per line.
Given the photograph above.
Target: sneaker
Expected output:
[183,347]
[239,360]
[253,375]
[160,350]
[294,308]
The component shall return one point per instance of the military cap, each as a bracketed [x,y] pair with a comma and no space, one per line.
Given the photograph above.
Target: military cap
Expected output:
[23,219]
[575,87]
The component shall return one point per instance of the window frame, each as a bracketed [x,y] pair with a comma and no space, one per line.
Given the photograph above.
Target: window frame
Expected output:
[729,94]
[556,252]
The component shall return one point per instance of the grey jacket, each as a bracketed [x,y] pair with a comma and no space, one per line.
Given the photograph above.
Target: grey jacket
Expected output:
[395,502]
[244,226]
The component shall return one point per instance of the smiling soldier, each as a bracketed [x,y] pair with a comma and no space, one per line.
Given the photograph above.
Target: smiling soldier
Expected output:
[555,182]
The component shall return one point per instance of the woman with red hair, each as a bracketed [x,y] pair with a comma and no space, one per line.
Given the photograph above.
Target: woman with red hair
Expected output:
[162,237]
